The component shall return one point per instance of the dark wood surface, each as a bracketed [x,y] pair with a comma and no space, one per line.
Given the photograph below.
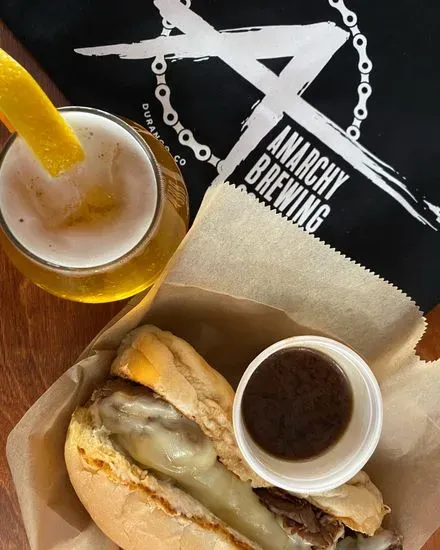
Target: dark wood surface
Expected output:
[41,336]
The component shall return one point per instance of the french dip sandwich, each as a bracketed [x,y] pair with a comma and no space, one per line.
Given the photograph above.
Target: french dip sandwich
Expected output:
[153,458]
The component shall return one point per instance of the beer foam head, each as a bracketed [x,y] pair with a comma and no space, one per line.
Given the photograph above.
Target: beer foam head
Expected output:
[92,214]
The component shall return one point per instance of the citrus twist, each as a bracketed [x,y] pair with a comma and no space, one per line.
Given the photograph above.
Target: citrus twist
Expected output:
[26,109]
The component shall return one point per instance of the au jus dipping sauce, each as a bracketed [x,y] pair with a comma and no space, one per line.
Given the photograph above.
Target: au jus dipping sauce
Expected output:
[297,404]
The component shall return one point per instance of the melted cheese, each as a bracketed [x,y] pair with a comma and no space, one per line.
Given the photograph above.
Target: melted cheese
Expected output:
[383,540]
[158,437]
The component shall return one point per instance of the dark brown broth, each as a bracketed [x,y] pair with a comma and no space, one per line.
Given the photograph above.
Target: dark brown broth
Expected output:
[297,404]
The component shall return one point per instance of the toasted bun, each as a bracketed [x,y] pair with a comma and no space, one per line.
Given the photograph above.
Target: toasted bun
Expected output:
[131,506]
[137,510]
[173,369]
[358,504]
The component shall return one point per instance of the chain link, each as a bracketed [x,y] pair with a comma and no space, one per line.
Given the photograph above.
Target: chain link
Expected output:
[170,115]
[365,66]
[203,152]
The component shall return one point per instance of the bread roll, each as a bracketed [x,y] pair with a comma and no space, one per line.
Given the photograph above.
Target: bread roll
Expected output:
[174,370]
[133,508]
[136,509]
[358,504]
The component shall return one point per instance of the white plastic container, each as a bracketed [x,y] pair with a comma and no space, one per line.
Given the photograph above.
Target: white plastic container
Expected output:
[348,455]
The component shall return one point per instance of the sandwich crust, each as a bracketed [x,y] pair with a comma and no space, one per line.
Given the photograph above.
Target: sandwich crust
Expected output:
[131,506]
[137,510]
[173,369]
[358,504]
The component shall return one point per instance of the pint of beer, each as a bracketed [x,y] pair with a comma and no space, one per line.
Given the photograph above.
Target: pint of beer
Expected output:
[105,229]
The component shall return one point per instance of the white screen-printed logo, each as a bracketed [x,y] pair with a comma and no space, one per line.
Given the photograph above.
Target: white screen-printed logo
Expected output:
[311,48]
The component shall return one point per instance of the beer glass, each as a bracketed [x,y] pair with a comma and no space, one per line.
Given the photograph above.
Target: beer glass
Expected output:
[105,229]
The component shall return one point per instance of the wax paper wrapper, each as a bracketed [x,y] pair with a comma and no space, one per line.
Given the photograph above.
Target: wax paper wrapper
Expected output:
[242,279]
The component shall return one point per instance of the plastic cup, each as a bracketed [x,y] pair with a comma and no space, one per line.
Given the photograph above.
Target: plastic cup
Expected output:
[348,455]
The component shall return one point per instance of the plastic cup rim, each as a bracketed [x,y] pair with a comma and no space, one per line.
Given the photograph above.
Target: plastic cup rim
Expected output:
[359,457]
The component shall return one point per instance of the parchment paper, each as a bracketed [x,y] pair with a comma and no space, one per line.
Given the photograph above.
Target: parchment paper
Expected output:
[243,279]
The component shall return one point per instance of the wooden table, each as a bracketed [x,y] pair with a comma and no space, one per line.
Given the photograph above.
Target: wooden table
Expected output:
[41,336]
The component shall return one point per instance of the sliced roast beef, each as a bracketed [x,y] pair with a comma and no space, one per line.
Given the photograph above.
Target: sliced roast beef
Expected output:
[319,529]
[302,518]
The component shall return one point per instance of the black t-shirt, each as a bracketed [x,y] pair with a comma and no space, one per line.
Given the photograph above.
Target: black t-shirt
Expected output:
[326,110]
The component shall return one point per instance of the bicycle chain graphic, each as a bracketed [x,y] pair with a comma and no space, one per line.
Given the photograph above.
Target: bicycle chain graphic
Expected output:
[203,152]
